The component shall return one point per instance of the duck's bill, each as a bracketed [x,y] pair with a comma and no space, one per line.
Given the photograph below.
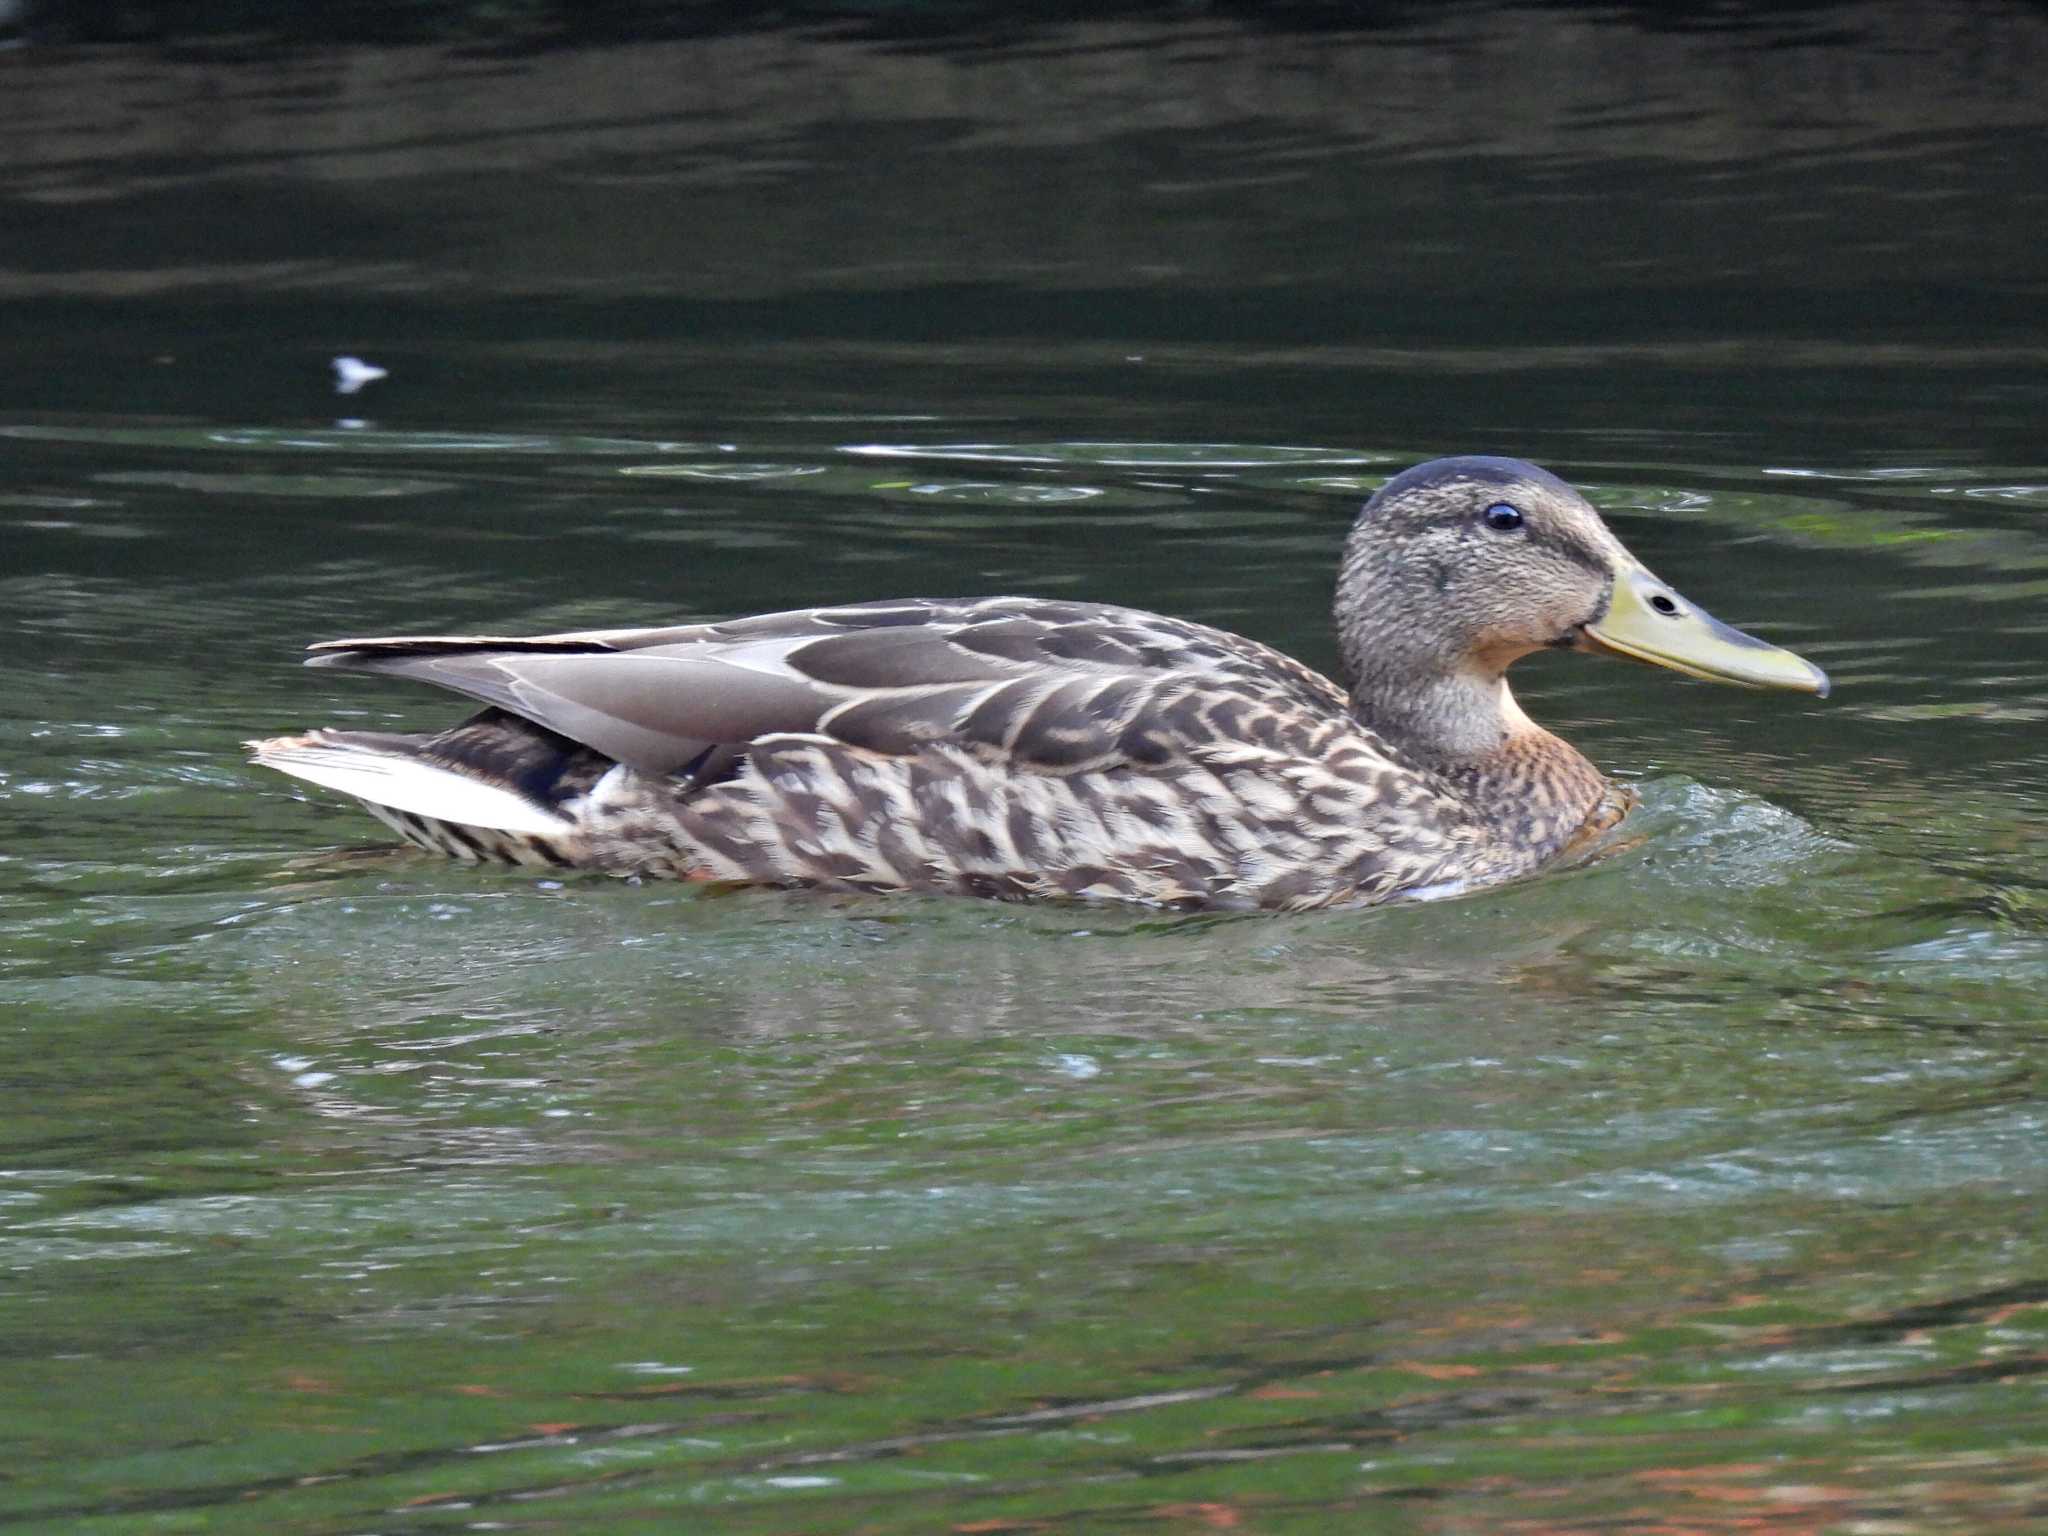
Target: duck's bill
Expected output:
[1646,621]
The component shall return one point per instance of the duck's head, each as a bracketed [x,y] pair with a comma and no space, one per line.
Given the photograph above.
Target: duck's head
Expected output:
[1459,566]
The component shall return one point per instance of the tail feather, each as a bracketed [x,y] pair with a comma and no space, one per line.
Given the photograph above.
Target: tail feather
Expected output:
[364,654]
[395,772]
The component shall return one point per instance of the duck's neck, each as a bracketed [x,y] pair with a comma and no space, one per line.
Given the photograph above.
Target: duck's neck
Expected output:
[1532,789]
[1446,720]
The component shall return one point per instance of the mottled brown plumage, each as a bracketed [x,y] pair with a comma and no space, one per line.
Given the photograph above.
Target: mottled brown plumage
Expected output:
[1022,747]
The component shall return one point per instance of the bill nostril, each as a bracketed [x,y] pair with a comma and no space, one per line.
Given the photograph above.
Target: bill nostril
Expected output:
[1663,604]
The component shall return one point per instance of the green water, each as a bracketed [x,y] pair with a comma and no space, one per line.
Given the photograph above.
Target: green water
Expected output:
[1696,1190]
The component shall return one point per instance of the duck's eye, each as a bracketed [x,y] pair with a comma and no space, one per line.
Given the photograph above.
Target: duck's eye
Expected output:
[1502,518]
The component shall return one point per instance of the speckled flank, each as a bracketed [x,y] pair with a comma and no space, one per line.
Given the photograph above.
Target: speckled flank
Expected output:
[1229,826]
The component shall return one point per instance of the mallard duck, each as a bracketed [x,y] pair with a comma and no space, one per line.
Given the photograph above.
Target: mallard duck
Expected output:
[1022,747]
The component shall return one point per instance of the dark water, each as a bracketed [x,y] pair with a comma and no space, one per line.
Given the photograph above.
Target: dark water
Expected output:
[1699,1190]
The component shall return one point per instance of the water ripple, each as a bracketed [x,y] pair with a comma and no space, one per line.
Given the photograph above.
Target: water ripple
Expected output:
[1121,455]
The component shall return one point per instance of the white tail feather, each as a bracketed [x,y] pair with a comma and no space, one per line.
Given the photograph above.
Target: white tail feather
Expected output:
[405,784]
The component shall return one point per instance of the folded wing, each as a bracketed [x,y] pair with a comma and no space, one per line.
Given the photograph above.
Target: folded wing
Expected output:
[1049,686]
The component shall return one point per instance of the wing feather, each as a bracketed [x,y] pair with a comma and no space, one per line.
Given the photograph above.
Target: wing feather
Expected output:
[1055,687]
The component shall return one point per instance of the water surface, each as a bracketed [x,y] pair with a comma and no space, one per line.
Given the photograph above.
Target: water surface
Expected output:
[1696,1189]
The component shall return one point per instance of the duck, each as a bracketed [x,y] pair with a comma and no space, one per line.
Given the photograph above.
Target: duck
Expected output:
[1027,747]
